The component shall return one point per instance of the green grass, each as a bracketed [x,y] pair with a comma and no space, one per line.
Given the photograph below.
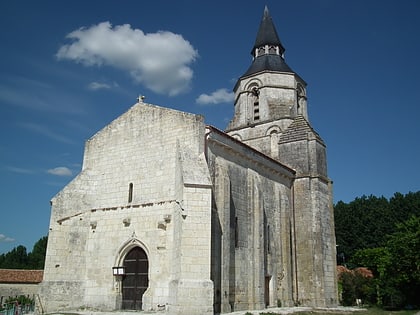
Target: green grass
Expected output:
[379,311]
[368,311]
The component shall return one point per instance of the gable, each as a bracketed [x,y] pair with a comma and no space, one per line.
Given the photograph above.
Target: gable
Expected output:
[137,151]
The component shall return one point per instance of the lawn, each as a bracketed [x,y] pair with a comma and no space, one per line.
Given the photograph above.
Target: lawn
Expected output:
[368,311]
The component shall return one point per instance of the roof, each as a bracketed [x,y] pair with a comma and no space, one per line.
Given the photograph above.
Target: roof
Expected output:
[21,276]
[299,129]
[268,63]
[267,34]
[231,141]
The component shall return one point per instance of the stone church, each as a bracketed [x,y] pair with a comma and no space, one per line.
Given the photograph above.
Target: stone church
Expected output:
[170,214]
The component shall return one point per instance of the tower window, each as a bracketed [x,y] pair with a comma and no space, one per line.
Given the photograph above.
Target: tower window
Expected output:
[130,192]
[272,50]
[254,94]
[256,110]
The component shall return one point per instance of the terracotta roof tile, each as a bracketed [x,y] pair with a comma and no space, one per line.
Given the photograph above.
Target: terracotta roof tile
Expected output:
[20,276]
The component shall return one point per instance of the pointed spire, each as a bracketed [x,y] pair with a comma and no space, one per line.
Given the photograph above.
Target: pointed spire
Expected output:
[267,34]
[268,52]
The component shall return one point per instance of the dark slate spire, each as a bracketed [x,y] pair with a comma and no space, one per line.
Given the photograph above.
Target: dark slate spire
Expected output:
[267,34]
[268,50]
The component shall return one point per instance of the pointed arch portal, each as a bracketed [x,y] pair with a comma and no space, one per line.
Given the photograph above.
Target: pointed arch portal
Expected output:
[136,279]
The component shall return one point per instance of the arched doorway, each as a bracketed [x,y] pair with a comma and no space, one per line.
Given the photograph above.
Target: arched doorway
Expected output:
[136,279]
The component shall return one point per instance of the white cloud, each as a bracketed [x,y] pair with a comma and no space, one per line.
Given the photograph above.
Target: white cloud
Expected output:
[217,97]
[19,170]
[94,86]
[5,239]
[161,61]
[98,86]
[60,171]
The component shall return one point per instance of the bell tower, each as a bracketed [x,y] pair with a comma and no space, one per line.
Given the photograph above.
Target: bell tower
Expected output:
[271,116]
[269,95]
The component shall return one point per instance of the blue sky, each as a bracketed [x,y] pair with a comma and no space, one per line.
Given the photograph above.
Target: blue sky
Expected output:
[68,68]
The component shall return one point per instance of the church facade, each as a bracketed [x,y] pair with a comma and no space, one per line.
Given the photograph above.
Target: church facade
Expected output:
[169,214]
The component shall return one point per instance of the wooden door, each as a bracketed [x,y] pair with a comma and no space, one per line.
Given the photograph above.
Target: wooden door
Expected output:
[136,279]
[267,291]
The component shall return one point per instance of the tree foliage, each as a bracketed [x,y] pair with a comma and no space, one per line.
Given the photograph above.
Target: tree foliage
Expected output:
[396,265]
[383,236]
[366,222]
[18,258]
[37,256]
[355,285]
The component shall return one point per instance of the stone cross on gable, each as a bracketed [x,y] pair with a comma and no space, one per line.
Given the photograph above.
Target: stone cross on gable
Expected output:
[140,98]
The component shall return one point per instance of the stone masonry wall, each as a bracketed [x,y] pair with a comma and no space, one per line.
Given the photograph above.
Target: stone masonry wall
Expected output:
[17,289]
[314,237]
[95,219]
[251,233]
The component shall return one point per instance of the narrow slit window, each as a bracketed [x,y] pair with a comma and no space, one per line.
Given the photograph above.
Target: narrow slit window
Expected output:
[236,233]
[130,192]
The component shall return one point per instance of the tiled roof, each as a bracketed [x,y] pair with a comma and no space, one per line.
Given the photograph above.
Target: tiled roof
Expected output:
[267,63]
[267,34]
[299,129]
[21,276]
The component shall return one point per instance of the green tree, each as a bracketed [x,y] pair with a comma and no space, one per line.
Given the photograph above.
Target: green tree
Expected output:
[17,258]
[36,258]
[404,247]
[396,266]
[366,222]
[405,206]
[378,261]
[360,224]
[356,285]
